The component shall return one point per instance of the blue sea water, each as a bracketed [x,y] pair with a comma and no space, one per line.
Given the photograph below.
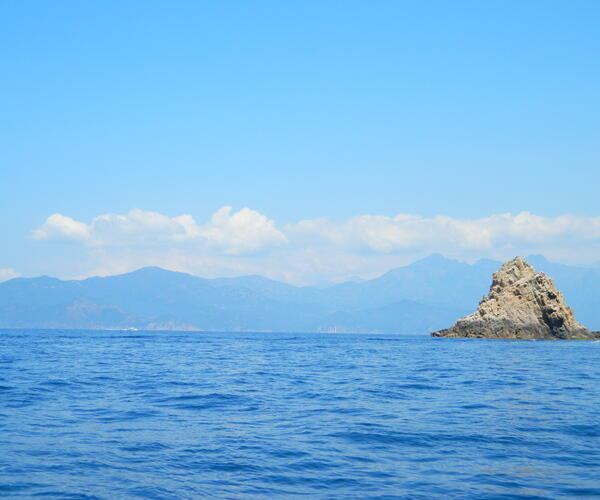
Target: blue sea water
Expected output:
[172,415]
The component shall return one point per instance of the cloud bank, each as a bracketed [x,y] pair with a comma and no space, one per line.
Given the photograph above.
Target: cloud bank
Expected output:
[403,232]
[246,241]
[242,232]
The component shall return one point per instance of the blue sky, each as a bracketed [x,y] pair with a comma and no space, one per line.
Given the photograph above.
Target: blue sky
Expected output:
[299,111]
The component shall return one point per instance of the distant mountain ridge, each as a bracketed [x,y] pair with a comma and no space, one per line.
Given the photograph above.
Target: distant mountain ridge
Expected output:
[417,298]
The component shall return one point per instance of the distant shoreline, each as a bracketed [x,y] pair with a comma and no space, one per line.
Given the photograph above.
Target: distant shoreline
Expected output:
[200,332]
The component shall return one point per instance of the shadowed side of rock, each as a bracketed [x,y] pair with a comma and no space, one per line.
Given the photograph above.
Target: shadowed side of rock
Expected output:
[521,304]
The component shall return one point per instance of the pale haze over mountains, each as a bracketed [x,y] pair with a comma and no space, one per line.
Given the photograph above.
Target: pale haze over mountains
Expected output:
[426,295]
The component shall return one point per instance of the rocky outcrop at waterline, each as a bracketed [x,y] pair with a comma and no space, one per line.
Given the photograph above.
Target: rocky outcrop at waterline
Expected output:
[521,304]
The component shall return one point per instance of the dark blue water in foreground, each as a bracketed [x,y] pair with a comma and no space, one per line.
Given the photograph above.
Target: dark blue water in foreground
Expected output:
[187,415]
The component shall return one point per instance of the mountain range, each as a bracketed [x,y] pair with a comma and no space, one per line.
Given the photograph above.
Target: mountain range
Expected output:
[424,296]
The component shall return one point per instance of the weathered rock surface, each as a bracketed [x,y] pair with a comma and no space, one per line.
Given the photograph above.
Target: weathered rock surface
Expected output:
[521,304]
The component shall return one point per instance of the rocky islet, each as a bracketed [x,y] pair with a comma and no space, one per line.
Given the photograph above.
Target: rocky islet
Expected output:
[521,304]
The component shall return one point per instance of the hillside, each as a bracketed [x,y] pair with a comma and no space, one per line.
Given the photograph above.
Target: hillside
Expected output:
[417,298]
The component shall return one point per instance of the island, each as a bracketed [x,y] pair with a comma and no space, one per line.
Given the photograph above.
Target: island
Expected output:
[521,304]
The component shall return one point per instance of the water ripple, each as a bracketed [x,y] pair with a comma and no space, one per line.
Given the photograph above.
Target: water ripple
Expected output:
[164,415]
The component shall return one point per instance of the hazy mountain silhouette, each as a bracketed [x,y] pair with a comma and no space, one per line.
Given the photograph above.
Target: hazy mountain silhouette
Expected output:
[423,296]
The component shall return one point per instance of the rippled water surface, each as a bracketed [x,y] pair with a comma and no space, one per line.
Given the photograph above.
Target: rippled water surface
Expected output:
[242,415]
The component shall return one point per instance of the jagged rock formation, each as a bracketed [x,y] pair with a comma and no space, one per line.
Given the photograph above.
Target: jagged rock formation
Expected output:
[521,304]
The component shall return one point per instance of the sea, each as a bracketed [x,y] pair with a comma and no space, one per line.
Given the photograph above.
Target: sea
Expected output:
[177,415]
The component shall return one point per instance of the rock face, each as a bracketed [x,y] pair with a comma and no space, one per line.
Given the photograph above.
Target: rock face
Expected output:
[521,304]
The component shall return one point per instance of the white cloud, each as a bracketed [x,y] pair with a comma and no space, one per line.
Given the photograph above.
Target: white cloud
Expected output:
[8,274]
[245,231]
[137,227]
[62,227]
[382,234]
[233,243]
